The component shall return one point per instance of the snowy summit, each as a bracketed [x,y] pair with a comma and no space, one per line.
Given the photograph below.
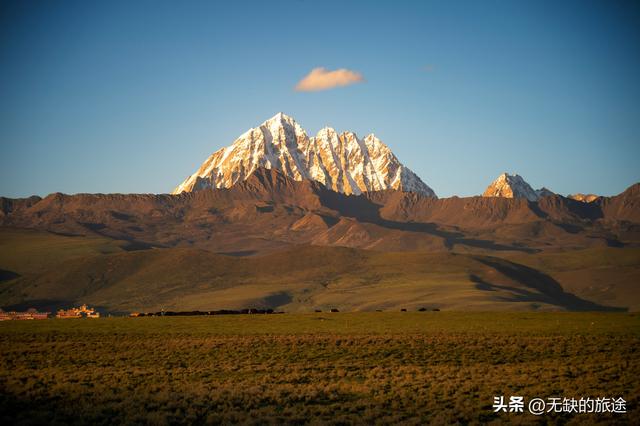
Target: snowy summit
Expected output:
[514,186]
[342,162]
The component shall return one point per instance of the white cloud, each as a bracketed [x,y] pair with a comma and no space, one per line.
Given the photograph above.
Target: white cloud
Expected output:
[323,79]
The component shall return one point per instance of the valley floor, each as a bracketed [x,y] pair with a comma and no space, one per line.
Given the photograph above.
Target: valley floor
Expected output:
[351,368]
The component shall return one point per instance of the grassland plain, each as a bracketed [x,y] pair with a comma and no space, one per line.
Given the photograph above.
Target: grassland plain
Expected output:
[351,368]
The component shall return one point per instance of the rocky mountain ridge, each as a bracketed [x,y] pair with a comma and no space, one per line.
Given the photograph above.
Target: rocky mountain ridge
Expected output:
[342,162]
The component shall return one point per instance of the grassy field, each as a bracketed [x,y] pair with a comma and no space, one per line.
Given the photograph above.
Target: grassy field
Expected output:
[28,251]
[49,271]
[388,368]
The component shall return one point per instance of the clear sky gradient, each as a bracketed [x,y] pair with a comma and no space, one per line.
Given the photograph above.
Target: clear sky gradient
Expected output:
[132,96]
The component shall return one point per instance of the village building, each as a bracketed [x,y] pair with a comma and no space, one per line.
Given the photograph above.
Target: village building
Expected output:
[81,312]
[29,314]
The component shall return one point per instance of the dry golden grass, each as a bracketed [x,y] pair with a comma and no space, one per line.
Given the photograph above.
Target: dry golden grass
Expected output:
[367,368]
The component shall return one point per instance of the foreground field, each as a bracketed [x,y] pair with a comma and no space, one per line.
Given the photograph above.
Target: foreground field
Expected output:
[409,368]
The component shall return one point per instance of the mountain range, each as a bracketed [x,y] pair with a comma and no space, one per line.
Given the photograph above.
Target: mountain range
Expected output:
[341,162]
[282,220]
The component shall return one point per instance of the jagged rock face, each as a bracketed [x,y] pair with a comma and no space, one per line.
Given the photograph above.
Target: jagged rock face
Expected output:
[341,162]
[514,186]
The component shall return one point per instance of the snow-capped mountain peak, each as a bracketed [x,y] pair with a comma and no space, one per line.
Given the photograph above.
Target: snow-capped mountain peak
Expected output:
[514,186]
[282,120]
[342,162]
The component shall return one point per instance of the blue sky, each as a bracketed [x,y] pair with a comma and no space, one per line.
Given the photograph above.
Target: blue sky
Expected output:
[133,96]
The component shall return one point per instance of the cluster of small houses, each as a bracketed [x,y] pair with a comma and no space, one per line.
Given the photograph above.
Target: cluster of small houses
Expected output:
[32,314]
[86,312]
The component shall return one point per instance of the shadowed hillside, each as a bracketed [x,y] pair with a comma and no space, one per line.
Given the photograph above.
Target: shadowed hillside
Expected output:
[299,279]
[271,241]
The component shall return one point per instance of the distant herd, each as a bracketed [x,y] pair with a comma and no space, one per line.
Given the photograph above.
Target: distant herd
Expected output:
[196,313]
[235,312]
[33,314]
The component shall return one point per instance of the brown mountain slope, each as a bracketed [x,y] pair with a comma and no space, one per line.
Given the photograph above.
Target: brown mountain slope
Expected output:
[625,206]
[316,277]
[269,211]
[459,253]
